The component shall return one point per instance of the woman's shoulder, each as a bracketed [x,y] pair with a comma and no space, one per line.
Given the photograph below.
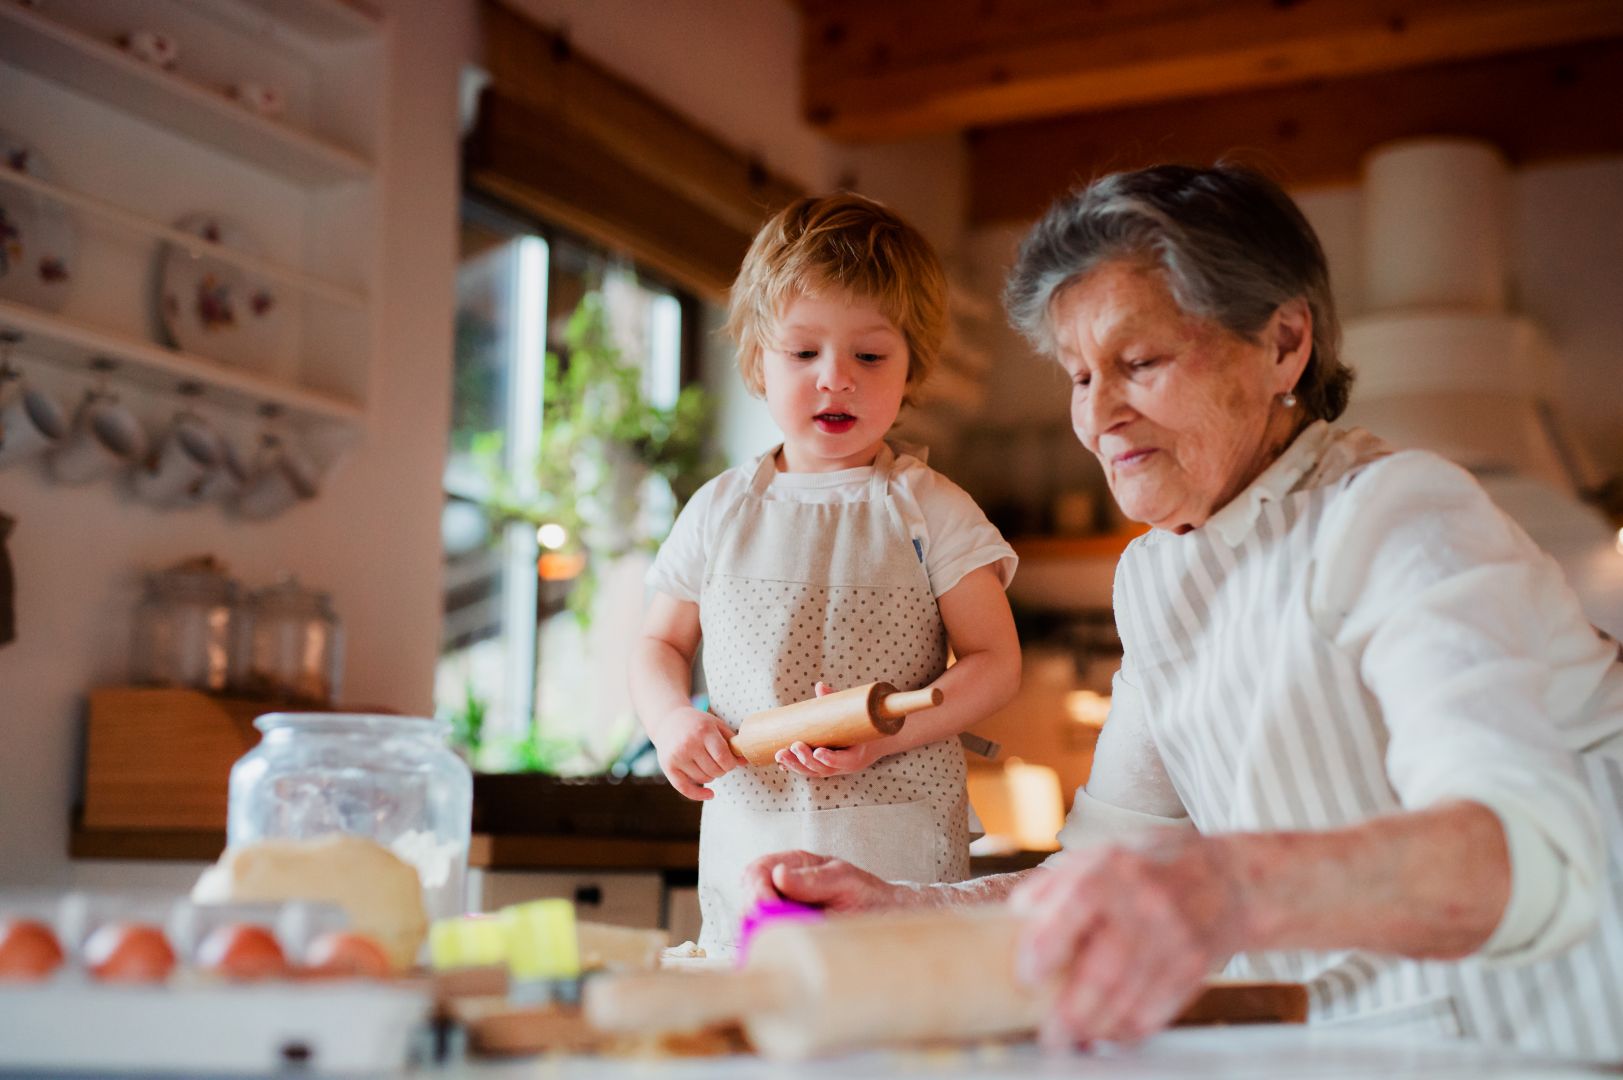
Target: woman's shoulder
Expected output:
[1410,478]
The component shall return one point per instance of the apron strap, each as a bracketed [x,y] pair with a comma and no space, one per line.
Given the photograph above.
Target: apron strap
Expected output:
[879,485]
[765,470]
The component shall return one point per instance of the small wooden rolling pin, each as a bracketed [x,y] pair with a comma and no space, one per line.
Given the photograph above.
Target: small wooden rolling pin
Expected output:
[844,718]
[863,981]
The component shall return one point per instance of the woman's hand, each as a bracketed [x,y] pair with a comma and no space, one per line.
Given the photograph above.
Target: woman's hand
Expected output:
[819,881]
[810,760]
[1128,933]
[693,750]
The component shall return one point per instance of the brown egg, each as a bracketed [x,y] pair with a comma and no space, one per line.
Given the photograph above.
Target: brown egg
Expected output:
[242,951]
[129,952]
[28,950]
[346,954]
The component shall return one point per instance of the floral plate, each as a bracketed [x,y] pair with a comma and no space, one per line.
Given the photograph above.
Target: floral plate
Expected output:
[213,308]
[38,236]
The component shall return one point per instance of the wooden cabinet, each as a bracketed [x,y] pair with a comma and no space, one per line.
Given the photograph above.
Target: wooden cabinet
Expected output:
[134,148]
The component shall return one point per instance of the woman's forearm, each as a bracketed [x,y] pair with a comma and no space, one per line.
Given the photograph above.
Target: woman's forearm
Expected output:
[1429,883]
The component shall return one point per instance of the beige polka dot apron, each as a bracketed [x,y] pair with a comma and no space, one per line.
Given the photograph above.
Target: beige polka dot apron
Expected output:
[797,593]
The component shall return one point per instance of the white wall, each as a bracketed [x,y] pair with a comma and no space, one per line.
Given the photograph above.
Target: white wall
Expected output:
[372,538]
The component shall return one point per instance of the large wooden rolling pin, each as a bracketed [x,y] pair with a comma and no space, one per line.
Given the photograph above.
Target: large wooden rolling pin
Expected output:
[861,981]
[844,718]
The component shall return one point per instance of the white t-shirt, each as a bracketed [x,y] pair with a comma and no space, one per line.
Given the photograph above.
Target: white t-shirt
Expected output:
[942,519]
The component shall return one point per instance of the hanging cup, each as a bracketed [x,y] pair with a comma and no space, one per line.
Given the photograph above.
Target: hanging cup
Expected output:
[224,483]
[279,479]
[106,438]
[187,453]
[31,421]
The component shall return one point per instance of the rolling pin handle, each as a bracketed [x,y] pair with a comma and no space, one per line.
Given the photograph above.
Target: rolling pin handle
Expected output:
[897,705]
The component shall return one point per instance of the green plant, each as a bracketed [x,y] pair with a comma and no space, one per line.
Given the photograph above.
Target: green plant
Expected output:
[468,722]
[601,440]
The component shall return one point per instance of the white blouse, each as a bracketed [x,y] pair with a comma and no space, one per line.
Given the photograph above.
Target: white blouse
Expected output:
[1359,632]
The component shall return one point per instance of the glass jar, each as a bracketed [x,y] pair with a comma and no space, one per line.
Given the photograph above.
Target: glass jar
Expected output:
[184,627]
[390,779]
[291,647]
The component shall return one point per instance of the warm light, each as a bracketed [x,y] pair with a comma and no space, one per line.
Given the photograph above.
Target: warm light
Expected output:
[1620,541]
[1088,708]
[552,536]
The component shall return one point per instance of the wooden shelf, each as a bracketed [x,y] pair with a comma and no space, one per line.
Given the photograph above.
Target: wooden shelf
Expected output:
[1107,546]
[196,245]
[104,72]
[72,344]
[323,20]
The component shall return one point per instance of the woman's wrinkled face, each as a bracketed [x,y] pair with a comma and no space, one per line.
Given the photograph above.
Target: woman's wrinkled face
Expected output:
[1182,413]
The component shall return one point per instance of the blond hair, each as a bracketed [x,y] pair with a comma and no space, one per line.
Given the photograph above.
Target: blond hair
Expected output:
[839,243]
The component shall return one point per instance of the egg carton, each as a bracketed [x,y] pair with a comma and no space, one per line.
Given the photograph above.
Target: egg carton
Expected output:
[313,1028]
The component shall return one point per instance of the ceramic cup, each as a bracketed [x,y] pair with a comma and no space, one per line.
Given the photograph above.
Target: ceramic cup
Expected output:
[31,421]
[188,452]
[279,479]
[105,438]
[225,482]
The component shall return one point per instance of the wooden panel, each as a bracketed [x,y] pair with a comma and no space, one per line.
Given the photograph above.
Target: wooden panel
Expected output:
[593,152]
[1538,106]
[161,759]
[912,67]
[531,161]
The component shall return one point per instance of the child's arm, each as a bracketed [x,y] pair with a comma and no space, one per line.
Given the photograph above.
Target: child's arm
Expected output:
[983,680]
[692,745]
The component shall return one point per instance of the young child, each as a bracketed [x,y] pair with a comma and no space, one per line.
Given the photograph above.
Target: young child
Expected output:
[829,562]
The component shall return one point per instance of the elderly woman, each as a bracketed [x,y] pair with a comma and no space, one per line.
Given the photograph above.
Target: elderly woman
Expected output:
[1363,736]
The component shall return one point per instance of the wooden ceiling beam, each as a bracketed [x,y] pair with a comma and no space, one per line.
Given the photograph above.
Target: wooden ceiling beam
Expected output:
[1539,106]
[568,95]
[904,68]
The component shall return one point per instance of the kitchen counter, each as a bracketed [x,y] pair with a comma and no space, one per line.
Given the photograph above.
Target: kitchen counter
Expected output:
[1256,1053]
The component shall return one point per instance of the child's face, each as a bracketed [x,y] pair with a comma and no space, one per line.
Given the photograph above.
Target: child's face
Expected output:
[835,374]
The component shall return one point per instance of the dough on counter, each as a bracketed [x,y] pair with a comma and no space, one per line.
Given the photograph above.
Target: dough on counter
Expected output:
[379,891]
[606,946]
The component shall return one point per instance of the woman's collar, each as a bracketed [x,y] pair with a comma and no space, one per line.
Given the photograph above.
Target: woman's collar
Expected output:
[1236,519]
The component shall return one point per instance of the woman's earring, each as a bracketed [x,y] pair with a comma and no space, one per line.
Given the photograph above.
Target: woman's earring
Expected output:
[1288,400]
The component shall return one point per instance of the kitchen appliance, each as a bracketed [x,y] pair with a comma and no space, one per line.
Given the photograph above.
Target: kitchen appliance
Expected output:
[390,779]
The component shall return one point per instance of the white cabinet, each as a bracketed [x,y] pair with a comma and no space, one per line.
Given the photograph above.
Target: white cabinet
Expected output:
[134,148]
[623,898]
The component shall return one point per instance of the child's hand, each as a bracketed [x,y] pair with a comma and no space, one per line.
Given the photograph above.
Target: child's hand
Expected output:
[826,760]
[693,751]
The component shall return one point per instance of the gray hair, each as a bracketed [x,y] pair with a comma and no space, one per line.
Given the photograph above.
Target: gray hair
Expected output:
[1230,243]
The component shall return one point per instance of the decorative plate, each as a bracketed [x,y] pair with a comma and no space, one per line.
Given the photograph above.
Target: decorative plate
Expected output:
[214,308]
[38,236]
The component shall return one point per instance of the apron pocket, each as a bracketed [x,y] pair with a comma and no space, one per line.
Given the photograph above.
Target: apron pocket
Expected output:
[896,841]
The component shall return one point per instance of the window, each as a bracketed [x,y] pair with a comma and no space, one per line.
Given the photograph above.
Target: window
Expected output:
[516,670]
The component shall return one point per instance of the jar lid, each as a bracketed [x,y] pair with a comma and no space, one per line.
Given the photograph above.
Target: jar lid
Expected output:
[328,723]
[200,578]
[288,595]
